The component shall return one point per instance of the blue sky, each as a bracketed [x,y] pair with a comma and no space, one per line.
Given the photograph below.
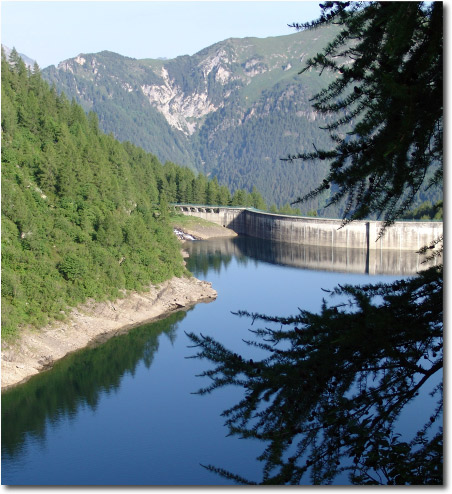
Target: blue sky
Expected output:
[50,32]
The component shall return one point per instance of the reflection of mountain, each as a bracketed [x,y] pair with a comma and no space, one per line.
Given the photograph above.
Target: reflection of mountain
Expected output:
[213,254]
[78,380]
[304,256]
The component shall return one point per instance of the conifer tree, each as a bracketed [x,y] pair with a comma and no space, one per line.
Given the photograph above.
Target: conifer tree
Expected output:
[386,105]
[327,397]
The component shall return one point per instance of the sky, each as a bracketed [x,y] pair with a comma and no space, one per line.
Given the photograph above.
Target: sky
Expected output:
[52,31]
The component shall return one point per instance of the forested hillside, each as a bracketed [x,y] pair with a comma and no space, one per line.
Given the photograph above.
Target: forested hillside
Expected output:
[231,111]
[83,215]
[109,84]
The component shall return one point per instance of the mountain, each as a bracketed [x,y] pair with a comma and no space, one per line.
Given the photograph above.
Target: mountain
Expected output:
[232,110]
[29,62]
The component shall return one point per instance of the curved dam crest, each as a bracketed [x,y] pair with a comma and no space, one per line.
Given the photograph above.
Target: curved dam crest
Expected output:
[402,236]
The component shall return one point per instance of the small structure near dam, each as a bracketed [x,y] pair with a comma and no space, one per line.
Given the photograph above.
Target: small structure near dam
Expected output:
[401,236]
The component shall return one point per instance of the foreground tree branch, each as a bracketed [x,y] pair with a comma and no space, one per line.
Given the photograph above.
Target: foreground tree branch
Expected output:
[335,383]
[327,397]
[386,105]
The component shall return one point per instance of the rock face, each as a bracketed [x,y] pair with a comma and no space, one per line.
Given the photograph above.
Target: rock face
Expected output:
[232,110]
[221,72]
[182,111]
[96,322]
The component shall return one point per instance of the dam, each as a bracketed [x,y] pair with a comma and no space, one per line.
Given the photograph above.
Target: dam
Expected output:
[322,232]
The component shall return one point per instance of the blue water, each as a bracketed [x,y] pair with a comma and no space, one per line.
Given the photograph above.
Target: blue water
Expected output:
[124,413]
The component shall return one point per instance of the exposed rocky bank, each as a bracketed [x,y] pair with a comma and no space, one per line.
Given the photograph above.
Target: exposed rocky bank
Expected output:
[201,231]
[93,323]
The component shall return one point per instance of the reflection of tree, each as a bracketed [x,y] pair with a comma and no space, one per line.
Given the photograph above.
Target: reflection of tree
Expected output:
[205,259]
[327,397]
[78,379]
[333,385]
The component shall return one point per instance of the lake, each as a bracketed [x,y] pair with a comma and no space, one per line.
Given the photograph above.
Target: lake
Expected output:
[125,412]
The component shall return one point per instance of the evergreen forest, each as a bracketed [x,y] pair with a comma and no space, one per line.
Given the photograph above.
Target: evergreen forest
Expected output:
[83,215]
[232,111]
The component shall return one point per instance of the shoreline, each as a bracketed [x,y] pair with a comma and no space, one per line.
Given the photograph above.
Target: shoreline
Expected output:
[93,323]
[192,228]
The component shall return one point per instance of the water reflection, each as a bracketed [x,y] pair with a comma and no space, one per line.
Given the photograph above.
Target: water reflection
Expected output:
[79,379]
[218,252]
[333,390]
[150,429]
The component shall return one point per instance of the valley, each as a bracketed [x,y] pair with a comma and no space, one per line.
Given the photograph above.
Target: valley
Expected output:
[127,182]
[232,111]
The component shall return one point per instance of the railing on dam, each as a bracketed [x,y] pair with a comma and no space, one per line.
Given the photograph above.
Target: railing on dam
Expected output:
[402,235]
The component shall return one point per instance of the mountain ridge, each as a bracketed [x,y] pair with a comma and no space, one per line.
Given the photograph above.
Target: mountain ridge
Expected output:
[231,110]
[29,62]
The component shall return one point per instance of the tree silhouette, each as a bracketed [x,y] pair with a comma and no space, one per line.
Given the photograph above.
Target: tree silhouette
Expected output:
[387,105]
[328,395]
[335,383]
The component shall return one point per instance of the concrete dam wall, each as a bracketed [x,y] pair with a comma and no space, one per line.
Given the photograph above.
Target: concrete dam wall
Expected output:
[402,235]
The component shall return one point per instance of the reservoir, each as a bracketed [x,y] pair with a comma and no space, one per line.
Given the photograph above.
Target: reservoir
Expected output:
[126,412]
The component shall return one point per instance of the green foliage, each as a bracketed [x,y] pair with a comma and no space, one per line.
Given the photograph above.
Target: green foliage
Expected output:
[73,267]
[426,211]
[79,209]
[183,186]
[387,99]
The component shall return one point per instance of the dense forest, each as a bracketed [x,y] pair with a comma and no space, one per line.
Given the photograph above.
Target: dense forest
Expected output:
[233,111]
[83,215]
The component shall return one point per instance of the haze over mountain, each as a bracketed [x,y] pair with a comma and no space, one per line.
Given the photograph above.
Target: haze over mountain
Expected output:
[29,62]
[232,110]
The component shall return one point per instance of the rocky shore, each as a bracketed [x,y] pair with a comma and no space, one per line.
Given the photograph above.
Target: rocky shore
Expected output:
[201,230]
[93,323]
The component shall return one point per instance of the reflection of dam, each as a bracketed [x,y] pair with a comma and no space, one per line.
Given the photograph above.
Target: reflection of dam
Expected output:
[337,259]
[402,235]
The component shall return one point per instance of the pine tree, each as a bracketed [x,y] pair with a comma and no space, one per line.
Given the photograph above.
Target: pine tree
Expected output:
[258,200]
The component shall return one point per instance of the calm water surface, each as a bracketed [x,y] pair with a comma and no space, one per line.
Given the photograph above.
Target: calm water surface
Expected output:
[123,413]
